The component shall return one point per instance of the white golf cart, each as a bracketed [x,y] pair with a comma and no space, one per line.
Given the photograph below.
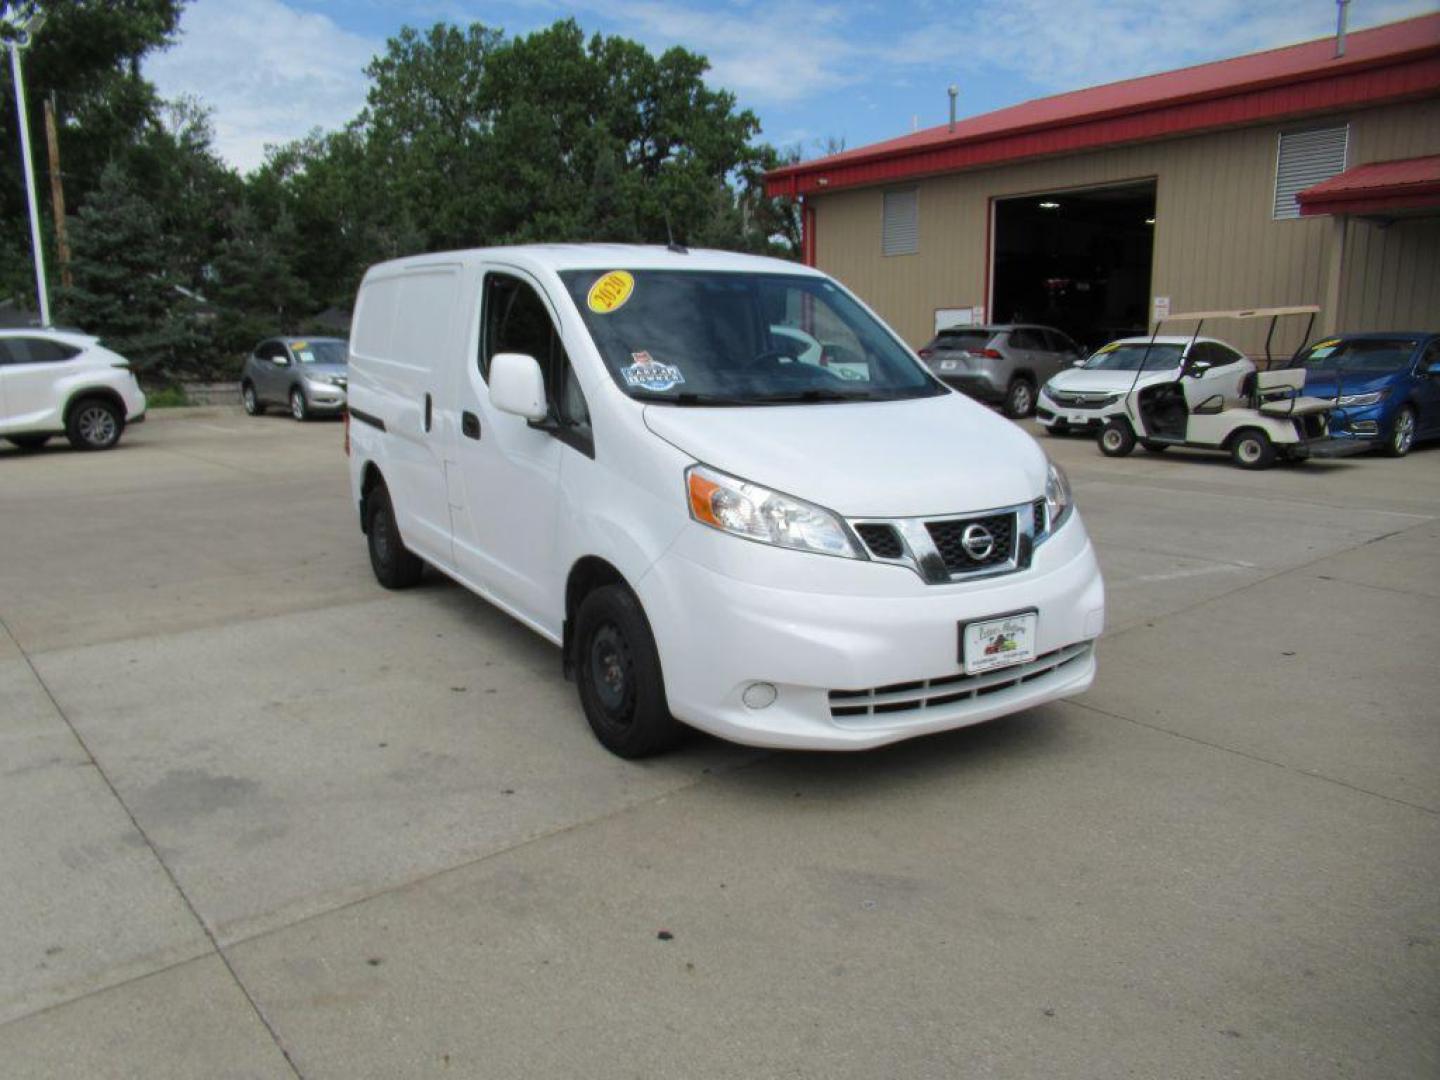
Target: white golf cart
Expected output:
[1267,416]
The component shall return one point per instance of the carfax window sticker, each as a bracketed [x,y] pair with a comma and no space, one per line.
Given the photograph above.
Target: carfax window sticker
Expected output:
[610,292]
[647,373]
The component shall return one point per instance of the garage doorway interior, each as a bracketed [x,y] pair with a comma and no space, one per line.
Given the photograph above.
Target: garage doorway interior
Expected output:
[1078,260]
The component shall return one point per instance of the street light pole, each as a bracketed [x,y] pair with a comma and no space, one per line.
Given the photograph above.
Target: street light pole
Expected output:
[15,44]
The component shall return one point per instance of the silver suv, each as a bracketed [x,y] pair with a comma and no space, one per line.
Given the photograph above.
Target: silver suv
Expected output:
[307,375]
[1002,365]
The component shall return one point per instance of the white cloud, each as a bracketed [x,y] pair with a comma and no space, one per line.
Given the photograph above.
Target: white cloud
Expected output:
[1067,44]
[269,72]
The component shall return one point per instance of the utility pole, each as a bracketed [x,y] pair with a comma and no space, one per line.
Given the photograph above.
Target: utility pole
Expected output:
[18,38]
[57,194]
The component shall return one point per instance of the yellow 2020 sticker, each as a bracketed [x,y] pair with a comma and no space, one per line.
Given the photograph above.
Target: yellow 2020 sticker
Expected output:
[610,292]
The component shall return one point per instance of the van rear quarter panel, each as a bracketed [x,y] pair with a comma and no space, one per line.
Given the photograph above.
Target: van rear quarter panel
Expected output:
[402,345]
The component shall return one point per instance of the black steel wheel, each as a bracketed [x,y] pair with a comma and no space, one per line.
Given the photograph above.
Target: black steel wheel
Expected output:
[395,566]
[617,669]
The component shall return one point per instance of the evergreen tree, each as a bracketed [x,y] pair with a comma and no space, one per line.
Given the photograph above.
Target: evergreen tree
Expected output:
[123,291]
[257,284]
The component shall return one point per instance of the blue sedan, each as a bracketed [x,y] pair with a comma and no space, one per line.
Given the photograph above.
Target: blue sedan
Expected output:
[1388,385]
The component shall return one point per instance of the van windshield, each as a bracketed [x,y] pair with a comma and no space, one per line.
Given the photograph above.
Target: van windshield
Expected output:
[1135,356]
[715,338]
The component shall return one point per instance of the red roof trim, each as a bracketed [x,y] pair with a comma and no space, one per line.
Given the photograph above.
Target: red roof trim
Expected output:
[1380,186]
[1141,110]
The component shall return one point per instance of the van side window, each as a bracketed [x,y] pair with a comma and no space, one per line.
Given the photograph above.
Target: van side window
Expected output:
[517,321]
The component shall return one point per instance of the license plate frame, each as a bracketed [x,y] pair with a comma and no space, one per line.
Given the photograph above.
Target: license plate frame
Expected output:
[986,652]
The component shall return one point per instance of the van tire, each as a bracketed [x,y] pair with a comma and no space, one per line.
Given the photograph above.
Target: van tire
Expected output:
[1251,448]
[1117,437]
[395,566]
[617,670]
[1019,398]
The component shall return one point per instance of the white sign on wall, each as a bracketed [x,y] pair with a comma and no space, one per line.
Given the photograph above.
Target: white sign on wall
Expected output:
[1162,308]
[948,318]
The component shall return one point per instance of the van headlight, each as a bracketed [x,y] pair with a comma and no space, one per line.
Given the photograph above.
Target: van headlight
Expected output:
[756,513]
[1058,499]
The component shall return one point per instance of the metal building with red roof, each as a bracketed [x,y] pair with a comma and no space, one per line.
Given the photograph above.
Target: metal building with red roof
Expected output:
[1304,174]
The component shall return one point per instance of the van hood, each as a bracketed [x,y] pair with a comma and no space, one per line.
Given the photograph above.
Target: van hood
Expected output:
[921,457]
[1081,381]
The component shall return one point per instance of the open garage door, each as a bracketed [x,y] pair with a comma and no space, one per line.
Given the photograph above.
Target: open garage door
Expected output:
[1078,260]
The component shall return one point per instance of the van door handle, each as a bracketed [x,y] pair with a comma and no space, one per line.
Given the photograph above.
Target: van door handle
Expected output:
[429,411]
[470,425]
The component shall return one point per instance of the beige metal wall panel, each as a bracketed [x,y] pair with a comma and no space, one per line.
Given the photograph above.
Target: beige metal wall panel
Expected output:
[1217,244]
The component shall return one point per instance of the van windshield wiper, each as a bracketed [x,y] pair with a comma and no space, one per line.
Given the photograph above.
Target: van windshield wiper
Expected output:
[690,398]
[819,394]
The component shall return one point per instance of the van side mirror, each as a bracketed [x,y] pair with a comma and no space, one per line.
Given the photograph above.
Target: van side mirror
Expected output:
[517,386]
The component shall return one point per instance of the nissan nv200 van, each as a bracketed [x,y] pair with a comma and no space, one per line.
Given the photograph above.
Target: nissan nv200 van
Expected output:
[649,457]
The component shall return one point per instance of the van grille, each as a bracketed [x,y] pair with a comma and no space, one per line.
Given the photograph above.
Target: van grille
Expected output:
[925,694]
[882,540]
[949,537]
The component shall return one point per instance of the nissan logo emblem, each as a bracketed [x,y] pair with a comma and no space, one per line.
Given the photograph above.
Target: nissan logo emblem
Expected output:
[977,542]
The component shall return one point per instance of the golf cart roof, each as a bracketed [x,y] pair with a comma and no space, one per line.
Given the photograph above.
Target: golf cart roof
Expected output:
[1245,313]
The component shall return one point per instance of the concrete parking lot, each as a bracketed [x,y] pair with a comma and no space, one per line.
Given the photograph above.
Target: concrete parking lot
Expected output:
[259,817]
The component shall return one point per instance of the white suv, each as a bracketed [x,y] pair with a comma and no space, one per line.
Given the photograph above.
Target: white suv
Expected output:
[55,382]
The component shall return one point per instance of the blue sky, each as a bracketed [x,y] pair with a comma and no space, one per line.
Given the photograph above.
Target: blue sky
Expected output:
[851,70]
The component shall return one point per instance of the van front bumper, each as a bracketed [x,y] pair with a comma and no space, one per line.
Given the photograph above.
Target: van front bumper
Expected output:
[858,669]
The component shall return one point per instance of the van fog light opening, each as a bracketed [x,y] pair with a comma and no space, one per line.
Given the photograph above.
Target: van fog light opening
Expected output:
[759,695]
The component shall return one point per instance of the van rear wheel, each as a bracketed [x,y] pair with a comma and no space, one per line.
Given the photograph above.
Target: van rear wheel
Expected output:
[617,668]
[395,566]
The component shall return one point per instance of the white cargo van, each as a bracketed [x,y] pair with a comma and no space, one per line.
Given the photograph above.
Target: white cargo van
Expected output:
[625,449]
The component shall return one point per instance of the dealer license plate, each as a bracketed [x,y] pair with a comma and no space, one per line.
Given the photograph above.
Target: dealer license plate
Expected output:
[1079,418]
[948,365]
[999,642]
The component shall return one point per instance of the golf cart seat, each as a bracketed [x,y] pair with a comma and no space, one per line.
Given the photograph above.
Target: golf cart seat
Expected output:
[1279,393]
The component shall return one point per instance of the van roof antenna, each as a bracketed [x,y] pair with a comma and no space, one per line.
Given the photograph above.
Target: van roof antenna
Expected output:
[678,249]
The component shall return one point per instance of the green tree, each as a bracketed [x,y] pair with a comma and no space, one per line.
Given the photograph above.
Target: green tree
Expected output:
[256,282]
[123,289]
[88,55]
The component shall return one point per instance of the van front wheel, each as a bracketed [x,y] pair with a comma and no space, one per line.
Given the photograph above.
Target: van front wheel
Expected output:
[618,671]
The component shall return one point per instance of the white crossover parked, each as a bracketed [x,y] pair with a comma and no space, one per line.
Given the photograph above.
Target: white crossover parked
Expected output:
[1085,396]
[55,382]
[624,449]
